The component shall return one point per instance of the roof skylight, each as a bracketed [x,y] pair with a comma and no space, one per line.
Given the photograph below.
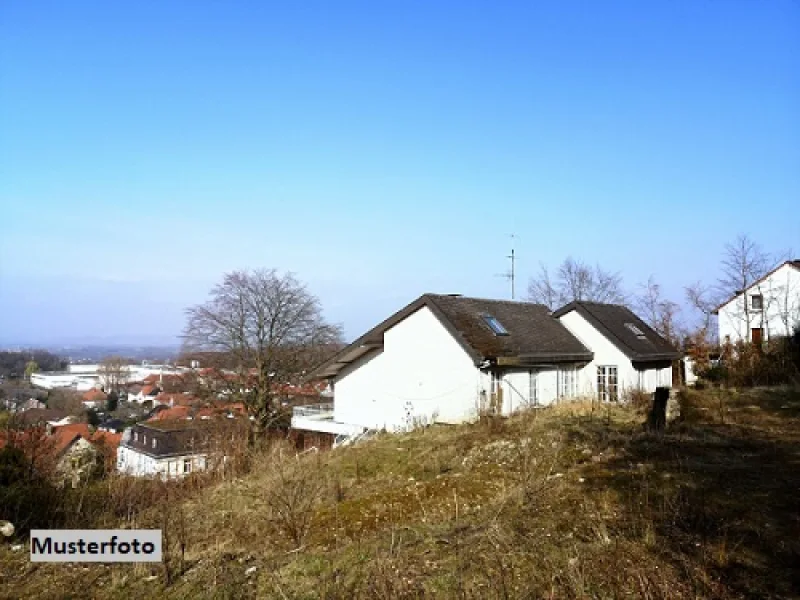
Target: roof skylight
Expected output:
[635,330]
[495,325]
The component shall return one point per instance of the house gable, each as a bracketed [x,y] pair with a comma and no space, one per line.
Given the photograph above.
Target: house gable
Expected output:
[531,335]
[420,369]
[633,337]
[776,313]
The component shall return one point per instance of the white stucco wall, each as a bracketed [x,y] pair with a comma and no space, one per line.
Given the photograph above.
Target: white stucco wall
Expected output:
[517,392]
[421,371]
[138,464]
[607,354]
[781,312]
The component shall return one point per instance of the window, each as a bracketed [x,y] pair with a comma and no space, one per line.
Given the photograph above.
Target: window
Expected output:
[757,302]
[496,382]
[495,325]
[607,384]
[135,436]
[533,388]
[187,465]
[635,330]
[154,442]
[566,382]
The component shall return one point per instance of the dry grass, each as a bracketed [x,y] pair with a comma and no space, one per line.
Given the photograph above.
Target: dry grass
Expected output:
[570,502]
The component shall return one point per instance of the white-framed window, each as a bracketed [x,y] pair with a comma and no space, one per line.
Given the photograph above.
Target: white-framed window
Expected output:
[187,465]
[154,444]
[135,436]
[757,302]
[607,385]
[533,387]
[566,382]
[496,382]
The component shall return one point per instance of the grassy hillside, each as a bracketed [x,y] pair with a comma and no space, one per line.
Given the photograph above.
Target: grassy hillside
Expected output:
[570,502]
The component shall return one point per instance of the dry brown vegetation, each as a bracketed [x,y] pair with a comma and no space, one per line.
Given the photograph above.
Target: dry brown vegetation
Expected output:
[577,501]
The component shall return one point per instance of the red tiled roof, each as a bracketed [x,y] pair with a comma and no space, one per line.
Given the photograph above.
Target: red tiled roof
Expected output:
[94,396]
[176,412]
[176,399]
[63,436]
[148,390]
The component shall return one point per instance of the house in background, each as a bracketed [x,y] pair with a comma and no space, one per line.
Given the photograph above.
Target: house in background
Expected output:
[769,308]
[66,453]
[94,398]
[147,392]
[448,358]
[627,353]
[20,405]
[75,456]
[175,448]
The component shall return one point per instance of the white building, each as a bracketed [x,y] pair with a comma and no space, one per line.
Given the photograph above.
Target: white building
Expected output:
[449,358]
[627,353]
[167,449]
[53,379]
[87,377]
[768,308]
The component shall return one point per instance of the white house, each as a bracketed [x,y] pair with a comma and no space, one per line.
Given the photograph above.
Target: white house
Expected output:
[168,449]
[174,448]
[627,353]
[447,358]
[145,393]
[770,307]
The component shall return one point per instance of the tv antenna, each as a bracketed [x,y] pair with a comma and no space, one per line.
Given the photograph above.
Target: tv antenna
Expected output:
[510,274]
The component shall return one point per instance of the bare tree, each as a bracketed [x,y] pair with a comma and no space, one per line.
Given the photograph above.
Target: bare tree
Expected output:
[743,262]
[265,322]
[659,312]
[576,280]
[114,372]
[703,301]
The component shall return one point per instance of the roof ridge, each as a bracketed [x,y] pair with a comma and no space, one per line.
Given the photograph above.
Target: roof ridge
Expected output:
[498,300]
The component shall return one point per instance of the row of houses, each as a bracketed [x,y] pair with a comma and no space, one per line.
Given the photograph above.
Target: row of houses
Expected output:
[449,358]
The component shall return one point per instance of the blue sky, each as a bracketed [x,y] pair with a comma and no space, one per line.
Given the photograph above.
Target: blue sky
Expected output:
[379,149]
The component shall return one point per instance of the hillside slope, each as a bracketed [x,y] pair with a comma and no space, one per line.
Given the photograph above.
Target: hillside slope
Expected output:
[570,502]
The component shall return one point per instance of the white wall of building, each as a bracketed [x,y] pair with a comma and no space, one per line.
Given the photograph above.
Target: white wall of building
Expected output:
[83,369]
[422,374]
[780,292]
[525,388]
[138,464]
[49,381]
[606,354]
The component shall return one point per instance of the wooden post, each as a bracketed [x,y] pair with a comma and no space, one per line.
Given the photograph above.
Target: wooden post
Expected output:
[657,419]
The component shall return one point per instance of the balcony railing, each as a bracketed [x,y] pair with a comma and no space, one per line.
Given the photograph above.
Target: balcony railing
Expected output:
[314,411]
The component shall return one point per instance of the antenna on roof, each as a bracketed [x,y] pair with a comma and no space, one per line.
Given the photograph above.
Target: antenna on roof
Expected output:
[510,275]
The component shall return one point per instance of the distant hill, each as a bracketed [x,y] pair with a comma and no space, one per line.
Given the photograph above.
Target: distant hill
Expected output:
[95,353]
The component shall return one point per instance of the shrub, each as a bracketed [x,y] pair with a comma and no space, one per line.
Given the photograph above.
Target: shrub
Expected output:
[748,365]
[637,398]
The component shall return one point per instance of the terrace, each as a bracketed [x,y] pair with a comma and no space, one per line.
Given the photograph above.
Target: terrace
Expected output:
[319,417]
